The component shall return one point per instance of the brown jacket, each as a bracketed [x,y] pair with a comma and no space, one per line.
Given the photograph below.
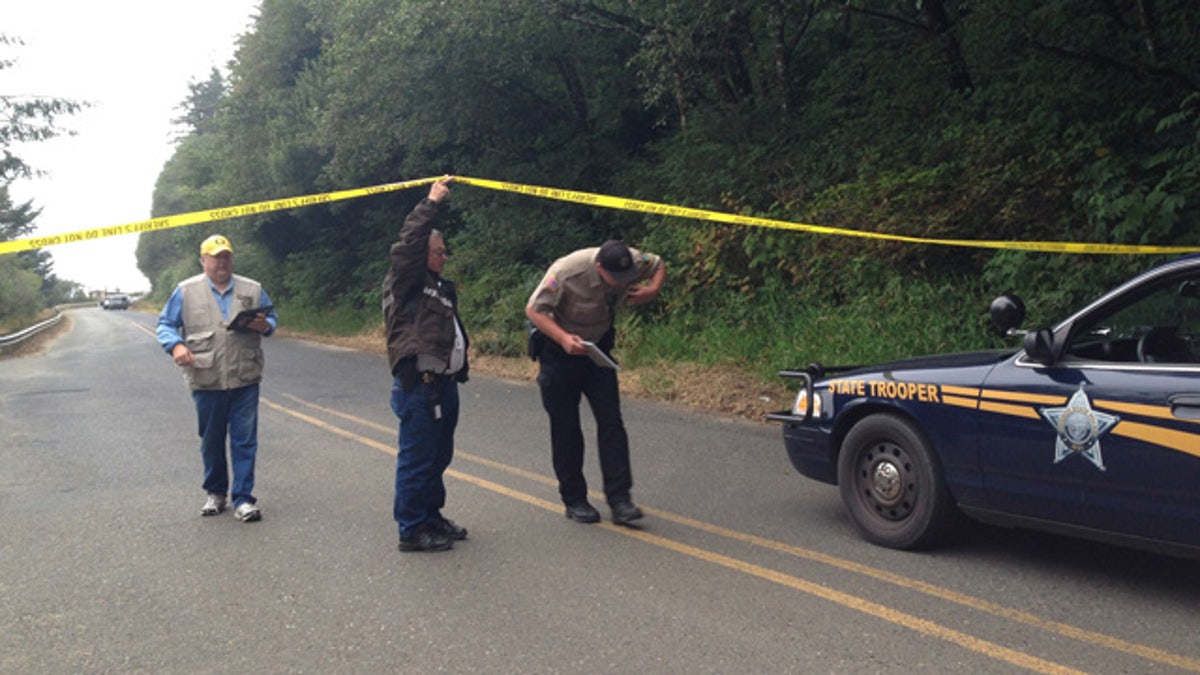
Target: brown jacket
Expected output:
[420,308]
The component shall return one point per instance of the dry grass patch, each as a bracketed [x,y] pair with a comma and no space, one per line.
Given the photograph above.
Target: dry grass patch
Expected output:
[38,344]
[717,389]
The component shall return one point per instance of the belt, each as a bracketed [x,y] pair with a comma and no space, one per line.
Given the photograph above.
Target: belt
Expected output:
[429,377]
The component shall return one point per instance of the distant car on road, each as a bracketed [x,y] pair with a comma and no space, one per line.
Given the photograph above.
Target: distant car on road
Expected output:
[1091,429]
[115,301]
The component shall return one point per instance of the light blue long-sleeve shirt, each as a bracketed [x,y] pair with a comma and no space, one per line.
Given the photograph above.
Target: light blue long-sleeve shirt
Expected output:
[171,319]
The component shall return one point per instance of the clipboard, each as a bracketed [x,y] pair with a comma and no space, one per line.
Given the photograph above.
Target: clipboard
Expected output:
[599,357]
[245,316]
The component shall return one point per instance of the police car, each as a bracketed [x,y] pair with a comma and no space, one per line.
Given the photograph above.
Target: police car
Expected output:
[1091,429]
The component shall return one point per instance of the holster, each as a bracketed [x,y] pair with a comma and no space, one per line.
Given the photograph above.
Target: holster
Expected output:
[535,342]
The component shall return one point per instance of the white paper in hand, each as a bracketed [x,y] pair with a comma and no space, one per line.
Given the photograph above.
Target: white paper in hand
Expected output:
[599,357]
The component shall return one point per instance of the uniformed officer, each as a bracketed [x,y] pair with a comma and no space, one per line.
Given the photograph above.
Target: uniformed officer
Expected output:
[576,303]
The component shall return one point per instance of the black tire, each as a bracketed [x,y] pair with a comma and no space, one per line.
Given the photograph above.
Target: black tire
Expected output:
[892,484]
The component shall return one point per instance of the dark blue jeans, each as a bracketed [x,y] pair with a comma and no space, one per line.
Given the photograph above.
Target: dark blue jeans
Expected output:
[232,412]
[426,446]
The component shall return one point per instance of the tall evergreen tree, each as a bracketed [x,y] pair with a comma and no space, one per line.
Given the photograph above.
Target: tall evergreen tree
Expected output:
[28,278]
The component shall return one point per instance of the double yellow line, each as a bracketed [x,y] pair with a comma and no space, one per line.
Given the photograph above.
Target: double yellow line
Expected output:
[923,626]
[574,196]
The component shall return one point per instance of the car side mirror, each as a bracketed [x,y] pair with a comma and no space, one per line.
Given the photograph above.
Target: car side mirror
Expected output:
[1008,313]
[1039,346]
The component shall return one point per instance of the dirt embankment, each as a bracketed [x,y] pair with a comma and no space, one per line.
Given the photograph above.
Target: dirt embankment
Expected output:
[724,391]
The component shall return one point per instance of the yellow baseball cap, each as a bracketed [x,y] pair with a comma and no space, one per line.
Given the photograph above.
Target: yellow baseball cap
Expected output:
[214,245]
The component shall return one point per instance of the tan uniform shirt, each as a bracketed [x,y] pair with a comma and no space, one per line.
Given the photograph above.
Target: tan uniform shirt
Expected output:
[575,296]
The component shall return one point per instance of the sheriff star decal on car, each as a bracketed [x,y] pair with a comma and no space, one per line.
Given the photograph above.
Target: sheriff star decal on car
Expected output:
[1079,429]
[914,444]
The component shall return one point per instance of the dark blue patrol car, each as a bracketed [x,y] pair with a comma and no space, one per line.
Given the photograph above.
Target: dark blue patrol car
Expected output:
[1091,429]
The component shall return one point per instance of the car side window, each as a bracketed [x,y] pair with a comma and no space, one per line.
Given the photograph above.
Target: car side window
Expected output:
[1162,327]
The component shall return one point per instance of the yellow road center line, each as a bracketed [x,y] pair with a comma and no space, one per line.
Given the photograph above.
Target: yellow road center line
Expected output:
[1018,616]
[922,626]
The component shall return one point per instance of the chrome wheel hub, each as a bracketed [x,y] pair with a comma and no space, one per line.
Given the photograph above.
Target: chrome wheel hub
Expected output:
[886,481]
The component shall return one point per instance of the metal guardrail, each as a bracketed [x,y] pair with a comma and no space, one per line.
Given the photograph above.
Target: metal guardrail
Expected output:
[20,336]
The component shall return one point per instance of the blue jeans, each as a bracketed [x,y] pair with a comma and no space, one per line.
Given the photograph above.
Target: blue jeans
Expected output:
[426,446]
[233,412]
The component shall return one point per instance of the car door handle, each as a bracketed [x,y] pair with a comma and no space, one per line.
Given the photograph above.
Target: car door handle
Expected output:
[1185,406]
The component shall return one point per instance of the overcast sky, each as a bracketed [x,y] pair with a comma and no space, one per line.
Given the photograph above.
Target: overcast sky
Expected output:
[133,60]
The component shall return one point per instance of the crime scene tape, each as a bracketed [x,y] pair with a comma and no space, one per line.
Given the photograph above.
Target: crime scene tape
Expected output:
[196,217]
[717,216]
[587,198]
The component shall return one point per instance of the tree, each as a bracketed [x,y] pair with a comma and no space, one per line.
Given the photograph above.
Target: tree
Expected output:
[201,109]
[28,279]
[20,285]
[26,118]
[1012,119]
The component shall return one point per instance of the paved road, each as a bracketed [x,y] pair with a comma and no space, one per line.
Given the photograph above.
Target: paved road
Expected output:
[741,566]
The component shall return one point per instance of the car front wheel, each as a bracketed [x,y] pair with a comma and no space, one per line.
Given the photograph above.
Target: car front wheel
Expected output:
[892,484]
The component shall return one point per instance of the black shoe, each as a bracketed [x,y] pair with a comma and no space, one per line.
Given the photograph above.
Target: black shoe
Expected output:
[624,513]
[583,512]
[447,528]
[425,538]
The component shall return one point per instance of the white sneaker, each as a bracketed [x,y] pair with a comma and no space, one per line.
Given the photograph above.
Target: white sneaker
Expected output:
[213,505]
[247,512]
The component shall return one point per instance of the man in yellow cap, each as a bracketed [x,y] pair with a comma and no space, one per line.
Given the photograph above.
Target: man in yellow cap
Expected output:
[212,326]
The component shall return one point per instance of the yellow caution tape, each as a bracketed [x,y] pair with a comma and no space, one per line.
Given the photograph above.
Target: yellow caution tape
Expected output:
[588,198]
[211,215]
[716,216]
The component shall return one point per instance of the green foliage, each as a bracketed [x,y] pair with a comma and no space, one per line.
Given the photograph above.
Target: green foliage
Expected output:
[906,317]
[26,119]
[20,293]
[33,279]
[27,280]
[201,110]
[1047,120]
[338,320]
[170,276]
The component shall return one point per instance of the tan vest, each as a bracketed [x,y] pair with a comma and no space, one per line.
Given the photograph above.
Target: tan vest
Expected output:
[225,359]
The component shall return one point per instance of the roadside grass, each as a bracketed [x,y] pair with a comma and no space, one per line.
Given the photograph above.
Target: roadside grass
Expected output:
[726,358]
[922,319]
[14,324]
[337,321]
[723,356]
